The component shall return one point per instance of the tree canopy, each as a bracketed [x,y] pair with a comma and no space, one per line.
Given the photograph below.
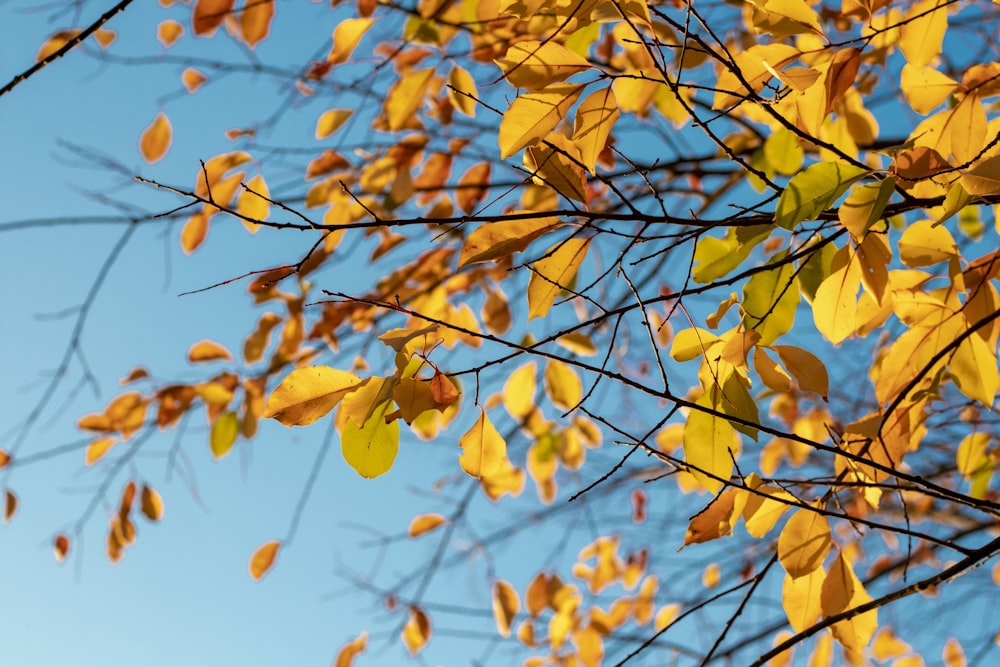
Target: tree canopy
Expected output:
[699,299]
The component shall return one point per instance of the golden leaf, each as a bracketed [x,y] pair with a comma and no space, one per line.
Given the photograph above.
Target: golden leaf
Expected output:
[255,22]
[417,631]
[351,650]
[425,523]
[553,273]
[308,393]
[346,37]
[156,139]
[263,559]
[150,503]
[505,606]
[208,16]
[484,451]
[168,32]
[207,350]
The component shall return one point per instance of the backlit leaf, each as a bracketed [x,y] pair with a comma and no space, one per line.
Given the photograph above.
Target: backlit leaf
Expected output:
[553,273]
[207,350]
[578,343]
[519,391]
[952,654]
[484,450]
[925,88]
[406,96]
[505,606]
[595,117]
[330,121]
[348,652]
[709,442]
[168,32]
[462,91]
[346,37]
[54,43]
[425,523]
[150,503]
[563,385]
[156,139]
[192,79]
[98,449]
[533,115]
[801,598]
[308,393]
[922,32]
[495,240]
[417,631]
[252,203]
[255,21]
[808,371]
[263,559]
[983,178]
[224,433]
[814,190]
[804,543]
[371,448]
[534,65]
[194,232]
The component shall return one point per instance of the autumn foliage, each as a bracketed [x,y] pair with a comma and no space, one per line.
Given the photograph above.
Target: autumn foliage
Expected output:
[711,277]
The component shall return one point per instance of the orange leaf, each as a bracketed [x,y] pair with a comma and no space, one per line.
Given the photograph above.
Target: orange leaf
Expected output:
[256,21]
[9,505]
[105,37]
[346,655]
[425,523]
[208,15]
[192,79]
[60,545]
[472,187]
[54,43]
[194,233]
[151,503]
[263,559]
[156,139]
[417,631]
[208,350]
[5,458]
[168,32]
[97,450]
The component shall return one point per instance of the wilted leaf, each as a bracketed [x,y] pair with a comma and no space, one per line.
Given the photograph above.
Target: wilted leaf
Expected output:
[9,505]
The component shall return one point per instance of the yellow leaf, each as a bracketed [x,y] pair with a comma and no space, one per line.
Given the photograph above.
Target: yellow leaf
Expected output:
[484,451]
[595,117]
[417,631]
[589,646]
[967,128]
[554,273]
[952,655]
[105,37]
[255,22]
[151,504]
[808,371]
[925,243]
[473,186]
[971,455]
[709,445]
[207,350]
[665,616]
[351,650]
[764,508]
[812,191]
[533,115]
[783,659]
[462,91]
[263,558]
[519,391]
[60,546]
[835,305]
[192,79]
[887,645]
[209,15]
[54,43]
[841,592]
[804,543]
[414,397]
[168,32]
[578,343]
[922,32]
[330,121]
[224,432]
[712,575]
[563,385]
[98,449]
[362,402]
[346,37]
[496,240]
[554,162]
[691,343]
[771,373]
[801,599]
[371,448]
[974,368]
[496,312]
[865,205]
[406,96]
[308,393]
[156,139]
[925,88]
[715,521]
[252,203]
[534,65]
[505,606]
[984,178]
[425,523]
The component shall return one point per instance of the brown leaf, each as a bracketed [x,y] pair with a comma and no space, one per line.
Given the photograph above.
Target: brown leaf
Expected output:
[60,545]
[9,505]
[208,15]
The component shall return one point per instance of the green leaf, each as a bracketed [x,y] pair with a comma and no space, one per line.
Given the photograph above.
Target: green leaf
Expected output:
[814,190]
[371,449]
[714,258]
